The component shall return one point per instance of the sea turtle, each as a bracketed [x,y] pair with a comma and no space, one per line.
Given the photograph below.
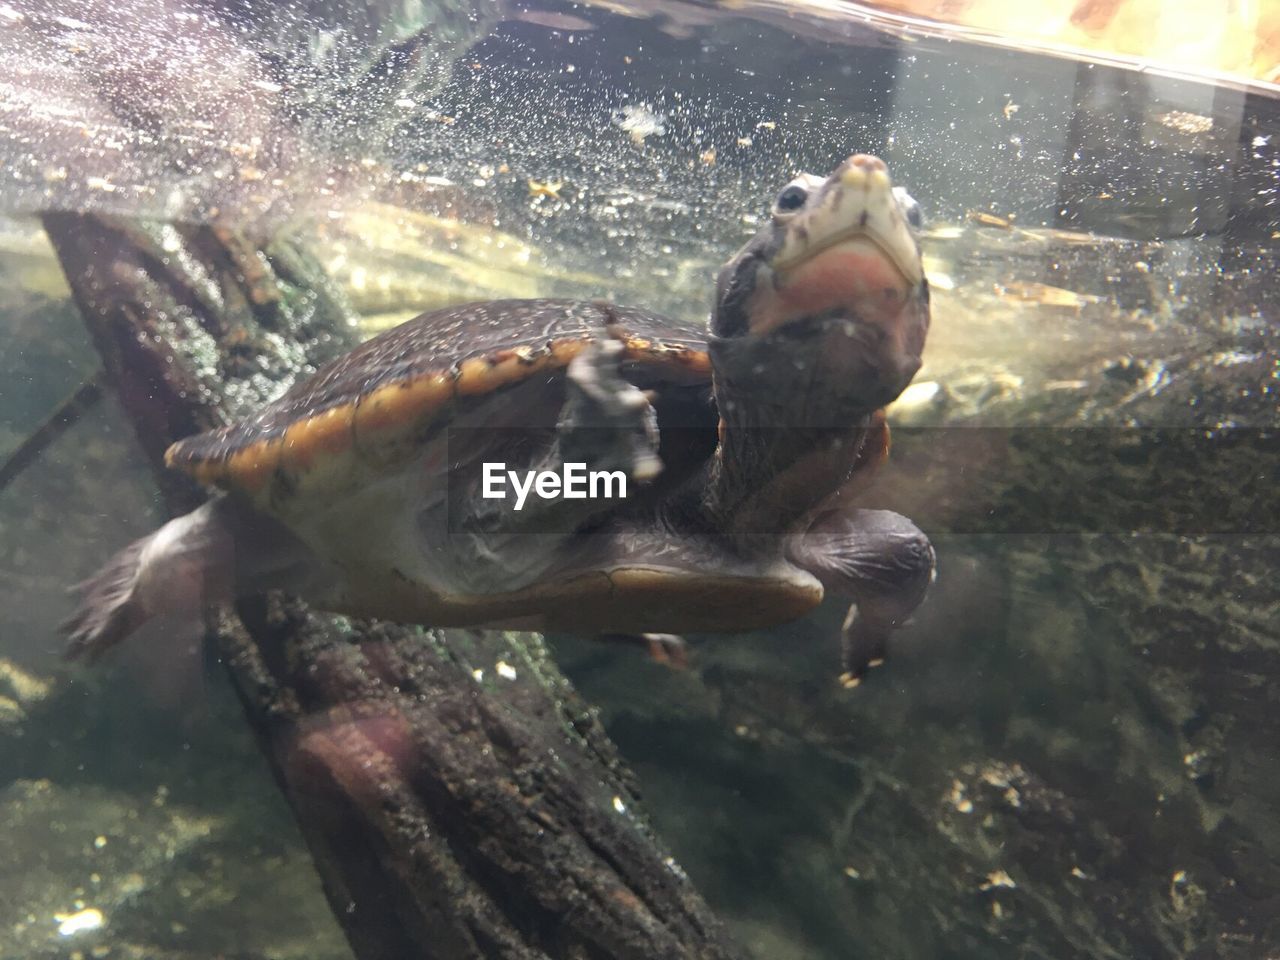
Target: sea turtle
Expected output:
[369,488]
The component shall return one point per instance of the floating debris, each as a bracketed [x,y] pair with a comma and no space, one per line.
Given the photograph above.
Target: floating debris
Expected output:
[984,219]
[554,21]
[641,121]
[1044,295]
[82,921]
[550,188]
[918,401]
[937,277]
[1186,122]
[998,879]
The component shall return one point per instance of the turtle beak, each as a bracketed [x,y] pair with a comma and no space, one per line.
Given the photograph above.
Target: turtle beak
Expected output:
[855,204]
[848,251]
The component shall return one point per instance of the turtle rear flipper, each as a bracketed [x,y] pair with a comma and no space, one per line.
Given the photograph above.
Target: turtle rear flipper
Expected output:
[109,609]
[184,565]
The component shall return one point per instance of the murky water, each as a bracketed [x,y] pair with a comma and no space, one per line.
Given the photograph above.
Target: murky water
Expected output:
[1070,752]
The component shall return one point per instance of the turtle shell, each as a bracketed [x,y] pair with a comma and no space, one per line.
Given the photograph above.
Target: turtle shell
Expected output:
[376,405]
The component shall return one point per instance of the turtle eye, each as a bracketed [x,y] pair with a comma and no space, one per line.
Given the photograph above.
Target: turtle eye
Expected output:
[910,209]
[792,198]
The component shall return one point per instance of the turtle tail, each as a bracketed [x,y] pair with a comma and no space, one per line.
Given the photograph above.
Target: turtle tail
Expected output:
[177,569]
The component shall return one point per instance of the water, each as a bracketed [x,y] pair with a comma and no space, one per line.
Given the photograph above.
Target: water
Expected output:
[1070,752]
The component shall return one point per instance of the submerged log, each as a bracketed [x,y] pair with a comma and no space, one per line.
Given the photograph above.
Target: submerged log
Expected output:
[458,798]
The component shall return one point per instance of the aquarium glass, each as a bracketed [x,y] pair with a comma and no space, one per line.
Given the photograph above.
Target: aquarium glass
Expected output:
[1069,750]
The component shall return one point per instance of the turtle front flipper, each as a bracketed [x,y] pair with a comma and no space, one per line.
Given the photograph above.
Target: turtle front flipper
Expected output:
[878,559]
[606,440]
[607,423]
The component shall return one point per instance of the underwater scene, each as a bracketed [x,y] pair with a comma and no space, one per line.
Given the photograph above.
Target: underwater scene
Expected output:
[616,480]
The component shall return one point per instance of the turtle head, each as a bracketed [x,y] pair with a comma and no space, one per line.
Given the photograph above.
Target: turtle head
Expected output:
[828,301]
